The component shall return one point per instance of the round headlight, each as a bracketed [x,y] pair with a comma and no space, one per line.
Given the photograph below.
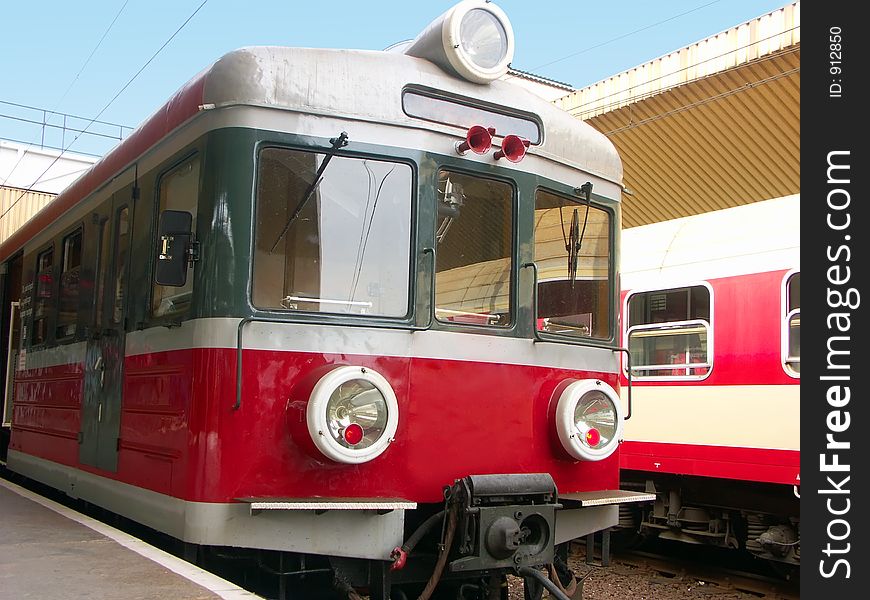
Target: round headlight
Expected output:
[352,414]
[478,40]
[589,420]
[483,38]
[473,39]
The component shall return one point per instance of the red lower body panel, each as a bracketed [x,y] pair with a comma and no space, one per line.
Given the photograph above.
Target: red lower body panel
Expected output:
[750,464]
[181,435]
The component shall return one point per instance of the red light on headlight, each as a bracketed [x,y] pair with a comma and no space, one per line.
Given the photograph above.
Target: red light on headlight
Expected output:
[353,434]
[593,437]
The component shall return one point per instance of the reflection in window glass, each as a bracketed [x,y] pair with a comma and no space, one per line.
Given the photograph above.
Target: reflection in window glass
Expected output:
[44,293]
[793,322]
[668,333]
[122,247]
[70,271]
[179,190]
[574,288]
[102,272]
[347,250]
[474,257]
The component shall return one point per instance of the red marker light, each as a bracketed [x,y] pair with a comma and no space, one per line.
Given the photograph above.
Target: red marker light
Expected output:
[593,437]
[353,434]
[478,139]
[513,148]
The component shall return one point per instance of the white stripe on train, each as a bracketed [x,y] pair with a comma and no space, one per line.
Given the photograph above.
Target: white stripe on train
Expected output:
[338,339]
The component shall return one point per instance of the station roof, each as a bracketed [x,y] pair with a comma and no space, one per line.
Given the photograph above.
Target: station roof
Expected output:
[709,126]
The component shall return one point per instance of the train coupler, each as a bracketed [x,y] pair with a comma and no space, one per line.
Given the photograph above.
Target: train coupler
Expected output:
[504,521]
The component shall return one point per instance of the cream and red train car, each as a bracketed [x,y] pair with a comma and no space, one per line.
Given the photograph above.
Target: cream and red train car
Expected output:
[295,311]
[711,315]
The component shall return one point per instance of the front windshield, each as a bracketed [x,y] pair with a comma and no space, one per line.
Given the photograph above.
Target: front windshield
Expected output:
[347,250]
[573,255]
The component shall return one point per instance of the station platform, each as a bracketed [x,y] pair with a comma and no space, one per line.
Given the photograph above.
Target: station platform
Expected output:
[50,551]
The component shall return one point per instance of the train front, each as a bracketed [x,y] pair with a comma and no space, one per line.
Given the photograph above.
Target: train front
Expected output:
[429,359]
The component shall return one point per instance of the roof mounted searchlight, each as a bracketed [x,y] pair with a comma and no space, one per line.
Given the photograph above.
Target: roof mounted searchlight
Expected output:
[473,40]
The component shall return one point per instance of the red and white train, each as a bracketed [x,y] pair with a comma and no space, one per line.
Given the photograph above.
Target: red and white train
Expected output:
[711,314]
[320,304]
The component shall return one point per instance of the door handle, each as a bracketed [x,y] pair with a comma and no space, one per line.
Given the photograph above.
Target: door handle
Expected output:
[99,365]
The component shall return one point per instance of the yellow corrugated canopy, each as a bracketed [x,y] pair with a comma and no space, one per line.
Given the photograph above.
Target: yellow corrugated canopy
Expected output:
[709,126]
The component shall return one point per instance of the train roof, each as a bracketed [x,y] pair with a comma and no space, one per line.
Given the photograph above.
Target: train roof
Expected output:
[367,85]
[349,84]
[752,238]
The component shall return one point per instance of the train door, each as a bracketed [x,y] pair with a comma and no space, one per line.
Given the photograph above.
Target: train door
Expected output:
[104,369]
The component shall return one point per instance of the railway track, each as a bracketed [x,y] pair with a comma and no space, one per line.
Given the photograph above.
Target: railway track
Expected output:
[705,574]
[661,573]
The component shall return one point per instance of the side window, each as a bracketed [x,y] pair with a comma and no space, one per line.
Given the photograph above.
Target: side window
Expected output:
[791,330]
[178,190]
[669,333]
[70,271]
[574,287]
[122,248]
[474,258]
[44,292]
[102,271]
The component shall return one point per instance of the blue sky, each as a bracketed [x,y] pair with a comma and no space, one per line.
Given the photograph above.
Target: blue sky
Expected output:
[44,45]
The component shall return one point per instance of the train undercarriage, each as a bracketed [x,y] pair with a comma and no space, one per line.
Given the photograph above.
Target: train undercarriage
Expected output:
[757,518]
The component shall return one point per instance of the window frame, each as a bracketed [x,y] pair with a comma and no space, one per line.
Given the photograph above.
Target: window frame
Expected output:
[608,206]
[785,329]
[304,316]
[709,326]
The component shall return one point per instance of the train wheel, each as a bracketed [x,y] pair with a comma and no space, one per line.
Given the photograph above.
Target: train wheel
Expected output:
[623,540]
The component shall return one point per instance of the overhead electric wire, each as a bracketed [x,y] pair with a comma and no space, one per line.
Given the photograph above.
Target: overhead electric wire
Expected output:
[64,127]
[577,109]
[72,83]
[574,112]
[45,110]
[703,101]
[25,142]
[91,55]
[115,97]
[623,36]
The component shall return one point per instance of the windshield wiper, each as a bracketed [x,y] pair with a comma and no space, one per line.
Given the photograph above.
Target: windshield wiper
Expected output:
[573,248]
[339,142]
[575,237]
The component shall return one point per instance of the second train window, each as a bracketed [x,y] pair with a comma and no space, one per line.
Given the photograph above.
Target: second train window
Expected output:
[669,332]
[573,256]
[474,258]
[70,271]
[44,295]
[179,190]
